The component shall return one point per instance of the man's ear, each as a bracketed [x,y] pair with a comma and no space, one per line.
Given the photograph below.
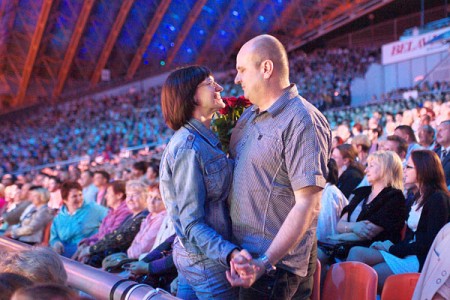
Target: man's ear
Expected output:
[267,68]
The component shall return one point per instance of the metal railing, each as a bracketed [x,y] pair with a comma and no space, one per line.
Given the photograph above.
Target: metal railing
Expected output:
[98,284]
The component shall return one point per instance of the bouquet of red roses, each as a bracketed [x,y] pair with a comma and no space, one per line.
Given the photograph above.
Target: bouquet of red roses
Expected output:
[226,119]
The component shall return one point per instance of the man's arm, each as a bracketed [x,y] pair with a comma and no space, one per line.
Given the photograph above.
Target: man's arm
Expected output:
[299,219]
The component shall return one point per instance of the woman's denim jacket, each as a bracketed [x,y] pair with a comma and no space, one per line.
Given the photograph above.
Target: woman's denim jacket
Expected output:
[195,179]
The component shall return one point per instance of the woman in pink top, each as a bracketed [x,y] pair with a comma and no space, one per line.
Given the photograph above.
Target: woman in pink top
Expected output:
[144,240]
[115,200]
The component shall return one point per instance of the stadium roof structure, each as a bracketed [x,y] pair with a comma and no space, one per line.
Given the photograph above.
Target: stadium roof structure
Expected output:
[51,47]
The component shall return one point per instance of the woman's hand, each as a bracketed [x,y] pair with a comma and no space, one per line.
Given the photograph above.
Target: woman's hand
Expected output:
[383,246]
[365,229]
[138,267]
[84,254]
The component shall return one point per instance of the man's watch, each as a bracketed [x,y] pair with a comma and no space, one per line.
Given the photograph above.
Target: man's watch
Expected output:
[270,269]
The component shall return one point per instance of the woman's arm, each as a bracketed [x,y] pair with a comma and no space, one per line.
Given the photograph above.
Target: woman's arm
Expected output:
[360,231]
[190,190]
[435,215]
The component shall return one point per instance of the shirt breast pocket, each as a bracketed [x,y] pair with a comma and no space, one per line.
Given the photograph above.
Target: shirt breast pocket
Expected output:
[217,177]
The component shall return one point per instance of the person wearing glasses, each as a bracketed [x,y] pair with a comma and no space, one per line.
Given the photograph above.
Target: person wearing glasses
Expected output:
[195,179]
[428,214]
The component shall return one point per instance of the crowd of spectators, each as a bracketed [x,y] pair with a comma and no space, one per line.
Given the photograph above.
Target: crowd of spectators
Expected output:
[98,130]
[101,128]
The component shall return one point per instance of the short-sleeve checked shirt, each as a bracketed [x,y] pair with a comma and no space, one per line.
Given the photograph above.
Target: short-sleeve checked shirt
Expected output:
[276,152]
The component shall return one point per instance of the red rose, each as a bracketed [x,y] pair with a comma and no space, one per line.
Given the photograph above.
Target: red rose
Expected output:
[225,110]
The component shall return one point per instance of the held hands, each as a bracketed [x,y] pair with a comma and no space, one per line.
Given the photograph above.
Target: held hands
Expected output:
[364,229]
[244,269]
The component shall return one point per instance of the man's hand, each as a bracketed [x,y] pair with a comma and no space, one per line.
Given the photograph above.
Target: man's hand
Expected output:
[244,270]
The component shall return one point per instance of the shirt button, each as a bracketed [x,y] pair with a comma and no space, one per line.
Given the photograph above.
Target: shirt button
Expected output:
[190,138]
[444,273]
[438,281]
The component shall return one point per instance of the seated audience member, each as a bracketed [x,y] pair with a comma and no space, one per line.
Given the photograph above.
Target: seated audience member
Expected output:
[443,138]
[118,213]
[89,189]
[34,219]
[350,171]
[407,133]
[145,238]
[152,173]
[426,137]
[434,280]
[54,187]
[16,204]
[396,144]
[2,199]
[10,282]
[427,216]
[138,170]
[374,134]
[332,203]
[362,144]
[376,212]
[46,291]
[38,264]
[101,180]
[157,267]
[75,221]
[119,240]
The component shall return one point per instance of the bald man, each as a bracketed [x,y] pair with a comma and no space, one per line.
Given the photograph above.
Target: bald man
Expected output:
[281,146]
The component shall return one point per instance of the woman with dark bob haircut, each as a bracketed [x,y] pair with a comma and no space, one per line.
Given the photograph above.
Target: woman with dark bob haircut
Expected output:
[195,178]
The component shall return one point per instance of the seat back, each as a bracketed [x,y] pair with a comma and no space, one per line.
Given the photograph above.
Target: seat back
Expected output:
[400,286]
[315,295]
[46,235]
[350,281]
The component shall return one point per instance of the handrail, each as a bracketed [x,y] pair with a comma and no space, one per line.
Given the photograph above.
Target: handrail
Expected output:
[99,284]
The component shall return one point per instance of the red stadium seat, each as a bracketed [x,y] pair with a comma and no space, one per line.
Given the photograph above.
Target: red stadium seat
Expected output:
[350,281]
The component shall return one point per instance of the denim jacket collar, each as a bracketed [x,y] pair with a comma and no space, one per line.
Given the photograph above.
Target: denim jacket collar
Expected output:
[206,133]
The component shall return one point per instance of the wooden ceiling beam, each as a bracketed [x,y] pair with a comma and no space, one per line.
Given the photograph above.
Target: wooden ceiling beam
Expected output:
[111,40]
[73,46]
[186,28]
[148,36]
[33,51]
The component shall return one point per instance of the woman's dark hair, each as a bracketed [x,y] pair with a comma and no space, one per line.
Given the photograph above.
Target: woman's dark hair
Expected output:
[349,152]
[333,172]
[430,174]
[118,187]
[67,186]
[177,96]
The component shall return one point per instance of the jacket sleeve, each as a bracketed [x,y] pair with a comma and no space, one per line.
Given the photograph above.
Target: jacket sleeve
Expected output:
[54,237]
[191,197]
[435,215]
